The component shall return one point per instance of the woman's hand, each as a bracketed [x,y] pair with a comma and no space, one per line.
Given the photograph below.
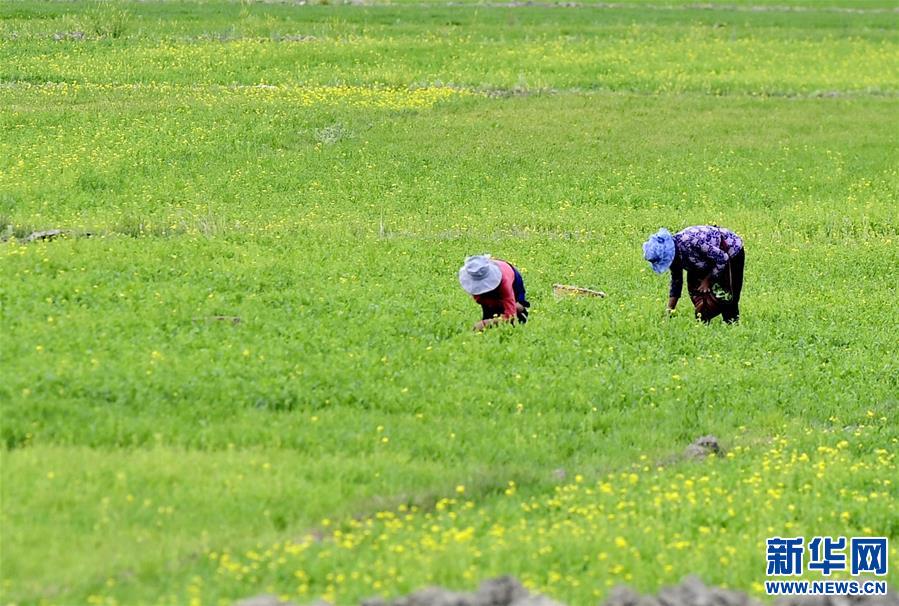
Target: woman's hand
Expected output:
[705,285]
[485,324]
[672,307]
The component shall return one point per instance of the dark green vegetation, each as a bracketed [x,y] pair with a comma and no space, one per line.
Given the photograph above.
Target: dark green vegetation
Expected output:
[330,209]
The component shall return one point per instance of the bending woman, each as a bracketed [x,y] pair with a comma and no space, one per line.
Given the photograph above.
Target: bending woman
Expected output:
[497,287]
[714,260]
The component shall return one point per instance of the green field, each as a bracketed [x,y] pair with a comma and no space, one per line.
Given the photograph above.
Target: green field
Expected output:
[320,172]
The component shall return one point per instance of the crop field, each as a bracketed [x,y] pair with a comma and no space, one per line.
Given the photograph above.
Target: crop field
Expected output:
[246,366]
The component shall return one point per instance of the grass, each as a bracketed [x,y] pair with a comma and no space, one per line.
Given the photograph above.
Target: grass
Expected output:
[144,437]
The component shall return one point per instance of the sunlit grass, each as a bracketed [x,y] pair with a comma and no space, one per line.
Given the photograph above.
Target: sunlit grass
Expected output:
[246,365]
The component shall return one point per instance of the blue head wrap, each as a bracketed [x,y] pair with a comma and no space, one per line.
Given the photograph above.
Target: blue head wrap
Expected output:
[659,250]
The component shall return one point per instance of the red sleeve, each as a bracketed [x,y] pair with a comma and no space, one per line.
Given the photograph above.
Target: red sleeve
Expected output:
[506,291]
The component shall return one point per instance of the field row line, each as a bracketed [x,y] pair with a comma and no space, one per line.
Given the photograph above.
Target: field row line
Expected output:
[684,7]
[700,6]
[443,91]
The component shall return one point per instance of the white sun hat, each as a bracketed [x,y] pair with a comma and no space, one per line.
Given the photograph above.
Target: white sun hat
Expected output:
[479,275]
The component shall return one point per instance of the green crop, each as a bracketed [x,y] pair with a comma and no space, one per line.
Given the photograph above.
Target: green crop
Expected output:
[246,366]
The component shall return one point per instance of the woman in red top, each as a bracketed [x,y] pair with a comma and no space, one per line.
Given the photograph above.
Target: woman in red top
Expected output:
[497,287]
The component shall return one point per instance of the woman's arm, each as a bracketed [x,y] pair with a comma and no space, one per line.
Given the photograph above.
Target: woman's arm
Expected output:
[677,284]
[719,260]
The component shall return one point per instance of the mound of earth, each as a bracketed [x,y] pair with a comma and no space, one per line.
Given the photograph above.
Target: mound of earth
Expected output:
[508,591]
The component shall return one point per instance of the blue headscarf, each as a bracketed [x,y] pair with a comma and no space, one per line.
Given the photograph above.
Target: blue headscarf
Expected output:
[659,250]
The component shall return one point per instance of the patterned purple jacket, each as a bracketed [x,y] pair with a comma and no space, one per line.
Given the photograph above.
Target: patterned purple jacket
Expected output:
[699,249]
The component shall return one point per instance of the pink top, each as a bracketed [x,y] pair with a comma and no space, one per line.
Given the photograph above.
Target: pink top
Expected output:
[503,295]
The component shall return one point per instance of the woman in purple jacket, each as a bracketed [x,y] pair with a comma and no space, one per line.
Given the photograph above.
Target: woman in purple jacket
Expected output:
[714,260]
